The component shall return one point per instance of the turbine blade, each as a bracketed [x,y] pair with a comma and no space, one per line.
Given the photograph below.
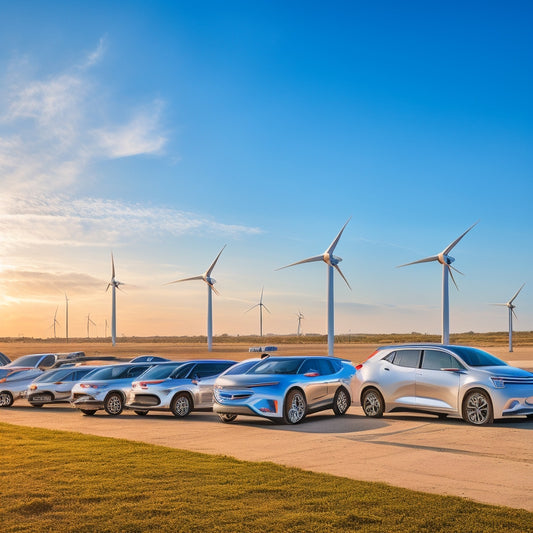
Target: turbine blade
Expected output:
[107,288]
[261,299]
[266,308]
[213,289]
[458,271]
[339,271]
[451,276]
[253,307]
[512,310]
[336,240]
[425,260]
[448,249]
[112,266]
[308,260]
[511,300]
[210,269]
[500,304]
[184,279]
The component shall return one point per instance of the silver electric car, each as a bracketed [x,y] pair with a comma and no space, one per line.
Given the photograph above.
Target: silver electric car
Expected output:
[188,387]
[443,380]
[106,388]
[55,385]
[286,389]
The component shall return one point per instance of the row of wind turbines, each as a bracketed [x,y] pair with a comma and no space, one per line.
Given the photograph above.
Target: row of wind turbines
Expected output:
[332,262]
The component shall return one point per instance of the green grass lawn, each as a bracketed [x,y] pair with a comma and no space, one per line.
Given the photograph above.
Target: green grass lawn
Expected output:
[60,481]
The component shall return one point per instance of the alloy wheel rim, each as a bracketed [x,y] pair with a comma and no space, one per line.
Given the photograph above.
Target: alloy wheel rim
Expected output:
[4,399]
[114,404]
[371,404]
[297,409]
[342,401]
[477,408]
[182,406]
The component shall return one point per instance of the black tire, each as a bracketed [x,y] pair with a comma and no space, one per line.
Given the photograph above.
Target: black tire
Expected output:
[141,413]
[294,407]
[341,401]
[6,399]
[226,418]
[181,404]
[477,408]
[529,416]
[114,404]
[36,404]
[442,416]
[373,403]
[88,412]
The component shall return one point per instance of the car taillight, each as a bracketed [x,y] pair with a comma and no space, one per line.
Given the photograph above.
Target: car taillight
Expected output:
[359,366]
[33,387]
[88,386]
[311,374]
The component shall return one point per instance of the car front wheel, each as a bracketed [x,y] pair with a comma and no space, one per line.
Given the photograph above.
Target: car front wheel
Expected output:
[295,407]
[373,404]
[114,404]
[181,405]
[88,412]
[6,399]
[225,417]
[477,408]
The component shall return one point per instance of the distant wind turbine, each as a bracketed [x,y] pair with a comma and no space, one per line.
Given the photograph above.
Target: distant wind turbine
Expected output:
[300,316]
[260,305]
[511,308]
[55,322]
[333,263]
[105,329]
[89,322]
[206,277]
[66,317]
[446,261]
[114,284]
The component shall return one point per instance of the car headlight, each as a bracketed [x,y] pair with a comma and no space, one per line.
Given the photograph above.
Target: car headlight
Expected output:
[499,383]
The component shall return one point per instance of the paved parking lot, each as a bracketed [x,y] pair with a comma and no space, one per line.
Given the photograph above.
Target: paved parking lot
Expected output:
[491,464]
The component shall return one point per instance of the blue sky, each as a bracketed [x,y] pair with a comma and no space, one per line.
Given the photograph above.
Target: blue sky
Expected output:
[163,131]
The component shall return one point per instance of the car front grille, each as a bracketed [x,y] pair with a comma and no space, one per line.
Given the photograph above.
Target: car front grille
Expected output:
[149,400]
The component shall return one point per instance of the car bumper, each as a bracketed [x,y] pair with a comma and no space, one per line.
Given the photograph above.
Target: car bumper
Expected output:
[512,401]
[264,403]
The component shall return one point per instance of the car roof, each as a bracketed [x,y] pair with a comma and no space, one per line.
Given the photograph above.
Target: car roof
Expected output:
[422,345]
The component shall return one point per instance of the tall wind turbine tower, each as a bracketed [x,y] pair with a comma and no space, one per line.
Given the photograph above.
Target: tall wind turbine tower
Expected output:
[89,322]
[114,284]
[300,316]
[446,261]
[55,322]
[333,263]
[260,305]
[66,317]
[511,308]
[206,277]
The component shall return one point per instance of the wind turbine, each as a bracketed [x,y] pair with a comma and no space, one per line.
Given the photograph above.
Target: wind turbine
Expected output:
[206,277]
[446,261]
[300,316]
[66,317]
[511,308]
[260,305]
[89,321]
[333,263]
[55,322]
[114,284]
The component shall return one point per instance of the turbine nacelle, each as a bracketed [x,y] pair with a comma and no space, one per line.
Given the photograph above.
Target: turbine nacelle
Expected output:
[445,259]
[331,259]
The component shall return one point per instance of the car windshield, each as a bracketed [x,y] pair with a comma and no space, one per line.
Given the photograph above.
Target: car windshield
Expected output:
[241,368]
[55,375]
[109,372]
[476,357]
[160,371]
[277,366]
[26,360]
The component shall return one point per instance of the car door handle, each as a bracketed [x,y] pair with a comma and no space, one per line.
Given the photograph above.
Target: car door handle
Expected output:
[387,369]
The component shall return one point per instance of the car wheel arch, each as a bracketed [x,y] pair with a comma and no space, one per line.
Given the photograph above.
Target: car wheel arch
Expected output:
[367,387]
[188,393]
[469,390]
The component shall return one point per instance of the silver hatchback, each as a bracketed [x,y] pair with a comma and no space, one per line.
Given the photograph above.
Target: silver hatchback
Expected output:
[443,380]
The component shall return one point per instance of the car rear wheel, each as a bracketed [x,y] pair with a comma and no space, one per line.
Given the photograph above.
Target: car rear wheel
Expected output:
[225,417]
[6,399]
[477,408]
[41,399]
[295,407]
[373,403]
[181,405]
[88,412]
[341,402]
[141,413]
[113,404]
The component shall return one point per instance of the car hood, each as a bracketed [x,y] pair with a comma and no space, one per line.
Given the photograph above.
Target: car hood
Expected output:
[504,371]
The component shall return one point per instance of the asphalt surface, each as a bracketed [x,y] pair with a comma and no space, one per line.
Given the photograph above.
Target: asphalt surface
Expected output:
[491,464]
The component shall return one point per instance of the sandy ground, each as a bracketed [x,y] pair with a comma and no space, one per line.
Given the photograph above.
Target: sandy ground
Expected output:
[491,464]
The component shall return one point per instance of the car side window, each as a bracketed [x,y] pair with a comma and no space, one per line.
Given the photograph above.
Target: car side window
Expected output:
[182,372]
[136,371]
[48,361]
[390,357]
[310,365]
[325,367]
[205,370]
[407,358]
[436,360]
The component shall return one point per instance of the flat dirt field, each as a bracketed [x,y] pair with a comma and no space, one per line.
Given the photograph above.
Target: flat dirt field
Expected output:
[491,464]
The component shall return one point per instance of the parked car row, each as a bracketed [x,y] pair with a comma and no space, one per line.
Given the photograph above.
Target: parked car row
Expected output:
[442,380]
